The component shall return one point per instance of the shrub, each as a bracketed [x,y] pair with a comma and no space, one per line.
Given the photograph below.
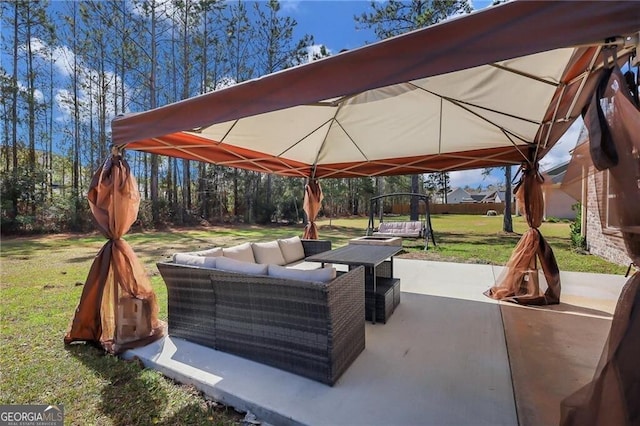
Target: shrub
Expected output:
[578,242]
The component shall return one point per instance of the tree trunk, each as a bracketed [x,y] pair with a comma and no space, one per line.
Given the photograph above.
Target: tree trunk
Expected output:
[155,205]
[50,136]
[145,157]
[169,179]
[186,78]
[177,206]
[75,184]
[14,112]
[380,185]
[186,189]
[201,196]
[508,223]
[445,190]
[31,168]
[155,202]
[236,203]
[415,187]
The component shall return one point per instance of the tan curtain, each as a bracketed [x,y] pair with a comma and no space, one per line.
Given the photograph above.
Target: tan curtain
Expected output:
[520,282]
[118,308]
[612,398]
[312,201]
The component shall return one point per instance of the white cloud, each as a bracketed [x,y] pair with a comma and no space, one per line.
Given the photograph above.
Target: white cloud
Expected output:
[225,82]
[62,56]
[89,94]
[64,101]
[89,83]
[163,8]
[166,11]
[290,6]
[316,51]
[37,93]
[475,177]
[561,151]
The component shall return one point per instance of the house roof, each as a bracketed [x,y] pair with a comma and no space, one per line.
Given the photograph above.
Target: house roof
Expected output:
[496,87]
[458,189]
[557,172]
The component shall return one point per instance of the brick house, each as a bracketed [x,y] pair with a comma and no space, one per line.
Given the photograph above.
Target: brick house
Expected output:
[600,225]
[603,237]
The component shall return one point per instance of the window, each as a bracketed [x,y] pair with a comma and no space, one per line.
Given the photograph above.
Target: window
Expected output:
[609,203]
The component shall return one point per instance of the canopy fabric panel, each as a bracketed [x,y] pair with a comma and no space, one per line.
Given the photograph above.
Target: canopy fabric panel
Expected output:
[612,151]
[495,87]
[118,309]
[521,281]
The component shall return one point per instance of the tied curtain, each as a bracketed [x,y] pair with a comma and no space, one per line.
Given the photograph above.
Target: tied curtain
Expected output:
[612,398]
[520,281]
[118,308]
[312,202]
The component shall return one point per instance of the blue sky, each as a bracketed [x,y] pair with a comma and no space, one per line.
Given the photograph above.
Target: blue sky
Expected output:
[332,24]
[331,21]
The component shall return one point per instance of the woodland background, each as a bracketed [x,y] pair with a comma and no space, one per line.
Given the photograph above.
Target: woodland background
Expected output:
[69,67]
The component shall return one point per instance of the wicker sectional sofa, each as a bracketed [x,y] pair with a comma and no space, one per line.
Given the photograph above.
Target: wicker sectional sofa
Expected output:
[310,328]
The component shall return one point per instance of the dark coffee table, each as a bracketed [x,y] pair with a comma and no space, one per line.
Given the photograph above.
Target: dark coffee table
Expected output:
[369,256]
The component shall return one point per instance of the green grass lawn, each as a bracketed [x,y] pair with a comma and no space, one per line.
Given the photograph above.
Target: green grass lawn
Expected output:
[41,282]
[477,239]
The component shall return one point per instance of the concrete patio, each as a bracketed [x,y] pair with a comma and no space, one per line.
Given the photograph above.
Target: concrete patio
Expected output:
[447,356]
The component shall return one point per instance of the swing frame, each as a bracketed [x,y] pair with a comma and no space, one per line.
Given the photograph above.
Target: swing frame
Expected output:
[426,231]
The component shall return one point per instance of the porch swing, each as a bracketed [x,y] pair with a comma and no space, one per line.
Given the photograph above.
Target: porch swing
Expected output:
[405,229]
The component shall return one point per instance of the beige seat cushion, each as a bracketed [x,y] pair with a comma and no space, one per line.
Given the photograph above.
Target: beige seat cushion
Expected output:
[194,260]
[241,252]
[268,253]
[303,265]
[321,275]
[232,265]
[292,249]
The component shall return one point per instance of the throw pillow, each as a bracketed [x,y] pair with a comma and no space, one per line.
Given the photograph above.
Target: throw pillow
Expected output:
[194,260]
[242,252]
[190,253]
[292,249]
[268,253]
[232,265]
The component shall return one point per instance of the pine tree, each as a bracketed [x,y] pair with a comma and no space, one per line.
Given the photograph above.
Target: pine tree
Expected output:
[275,49]
[240,49]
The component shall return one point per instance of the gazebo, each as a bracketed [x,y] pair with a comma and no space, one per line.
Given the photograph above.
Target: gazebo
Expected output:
[494,88]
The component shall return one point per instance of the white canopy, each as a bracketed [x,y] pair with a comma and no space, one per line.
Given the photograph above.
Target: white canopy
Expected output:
[496,87]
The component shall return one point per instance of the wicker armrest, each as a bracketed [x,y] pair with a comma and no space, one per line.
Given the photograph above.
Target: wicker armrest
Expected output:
[190,302]
[312,247]
[346,300]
